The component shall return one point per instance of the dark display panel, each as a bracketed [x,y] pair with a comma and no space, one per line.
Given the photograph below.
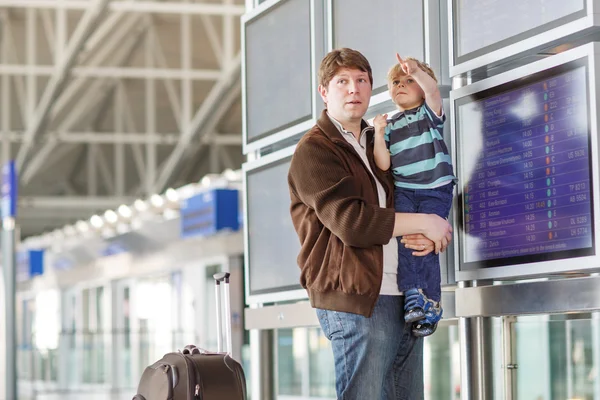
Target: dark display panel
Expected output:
[524,151]
[481,24]
[278,69]
[273,244]
[379,29]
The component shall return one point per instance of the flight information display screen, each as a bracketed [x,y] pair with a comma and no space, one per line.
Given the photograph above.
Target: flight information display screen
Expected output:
[524,152]
[483,23]
[273,244]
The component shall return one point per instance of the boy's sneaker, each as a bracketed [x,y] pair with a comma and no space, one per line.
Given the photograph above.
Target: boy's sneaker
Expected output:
[414,303]
[428,324]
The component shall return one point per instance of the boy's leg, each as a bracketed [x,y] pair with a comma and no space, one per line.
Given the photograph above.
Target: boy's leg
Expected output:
[409,267]
[434,201]
[374,356]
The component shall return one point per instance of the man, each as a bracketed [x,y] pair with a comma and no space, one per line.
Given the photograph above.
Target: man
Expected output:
[342,210]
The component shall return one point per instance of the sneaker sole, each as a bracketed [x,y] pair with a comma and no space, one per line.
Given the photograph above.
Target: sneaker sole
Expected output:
[413,317]
[424,332]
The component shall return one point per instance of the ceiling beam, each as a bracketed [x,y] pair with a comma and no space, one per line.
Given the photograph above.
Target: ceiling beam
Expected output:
[93,94]
[138,7]
[84,29]
[73,202]
[32,214]
[207,130]
[113,50]
[167,139]
[229,78]
[113,72]
[224,139]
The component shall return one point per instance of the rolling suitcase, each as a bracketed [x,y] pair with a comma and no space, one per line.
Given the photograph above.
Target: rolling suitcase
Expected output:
[196,374]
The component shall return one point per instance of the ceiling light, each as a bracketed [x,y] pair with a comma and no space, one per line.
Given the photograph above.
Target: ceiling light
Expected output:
[125,211]
[172,195]
[140,205]
[82,226]
[96,221]
[111,216]
[157,200]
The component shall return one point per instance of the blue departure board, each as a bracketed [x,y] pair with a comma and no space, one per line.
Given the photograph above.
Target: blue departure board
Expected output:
[525,169]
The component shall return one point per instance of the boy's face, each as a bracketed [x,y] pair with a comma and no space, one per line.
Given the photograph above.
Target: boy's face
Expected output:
[347,95]
[406,92]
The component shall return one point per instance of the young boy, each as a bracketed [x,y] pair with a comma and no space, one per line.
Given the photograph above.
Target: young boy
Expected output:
[412,143]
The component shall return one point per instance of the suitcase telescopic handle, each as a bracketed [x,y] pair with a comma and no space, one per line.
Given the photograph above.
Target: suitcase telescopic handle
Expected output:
[223,277]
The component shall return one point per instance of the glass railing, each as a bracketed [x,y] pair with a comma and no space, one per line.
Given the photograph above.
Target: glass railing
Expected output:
[557,357]
[109,359]
[441,363]
[305,368]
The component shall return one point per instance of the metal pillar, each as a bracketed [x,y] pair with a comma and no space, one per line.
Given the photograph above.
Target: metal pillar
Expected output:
[8,262]
[261,364]
[476,355]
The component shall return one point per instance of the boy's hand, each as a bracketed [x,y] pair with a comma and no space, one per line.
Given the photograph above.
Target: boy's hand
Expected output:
[409,67]
[380,122]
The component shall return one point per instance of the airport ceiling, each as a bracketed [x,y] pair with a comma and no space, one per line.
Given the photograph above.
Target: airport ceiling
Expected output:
[103,102]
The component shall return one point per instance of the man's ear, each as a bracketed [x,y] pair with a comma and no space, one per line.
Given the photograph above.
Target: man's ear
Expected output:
[323,93]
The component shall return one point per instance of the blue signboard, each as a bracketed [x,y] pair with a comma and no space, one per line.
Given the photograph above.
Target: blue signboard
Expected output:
[9,190]
[29,263]
[36,263]
[210,212]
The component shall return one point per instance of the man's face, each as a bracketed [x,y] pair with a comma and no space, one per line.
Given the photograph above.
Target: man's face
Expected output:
[347,95]
[406,92]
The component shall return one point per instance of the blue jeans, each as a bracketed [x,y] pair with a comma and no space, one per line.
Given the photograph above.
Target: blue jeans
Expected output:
[375,358]
[421,272]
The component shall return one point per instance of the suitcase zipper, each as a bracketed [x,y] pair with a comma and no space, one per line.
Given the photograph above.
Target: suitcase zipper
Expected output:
[190,363]
[198,378]
[196,375]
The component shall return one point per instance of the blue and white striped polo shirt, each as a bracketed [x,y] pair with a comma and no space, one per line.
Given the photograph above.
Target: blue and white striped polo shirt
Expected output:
[420,158]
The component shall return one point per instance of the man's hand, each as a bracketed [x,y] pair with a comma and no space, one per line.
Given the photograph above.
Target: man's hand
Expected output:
[438,230]
[380,122]
[409,67]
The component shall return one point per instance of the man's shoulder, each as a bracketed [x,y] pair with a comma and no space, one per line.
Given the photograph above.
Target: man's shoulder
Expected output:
[312,157]
[314,137]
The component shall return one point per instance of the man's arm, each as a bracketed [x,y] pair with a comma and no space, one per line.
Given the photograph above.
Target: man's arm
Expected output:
[319,179]
[432,226]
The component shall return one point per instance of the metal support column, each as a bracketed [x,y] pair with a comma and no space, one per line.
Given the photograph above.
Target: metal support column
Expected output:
[508,354]
[8,263]
[476,355]
[261,364]
[5,156]
[467,368]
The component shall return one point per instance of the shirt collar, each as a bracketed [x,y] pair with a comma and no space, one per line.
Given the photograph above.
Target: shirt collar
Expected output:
[345,133]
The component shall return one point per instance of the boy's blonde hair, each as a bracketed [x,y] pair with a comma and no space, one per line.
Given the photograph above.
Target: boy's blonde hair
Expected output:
[396,70]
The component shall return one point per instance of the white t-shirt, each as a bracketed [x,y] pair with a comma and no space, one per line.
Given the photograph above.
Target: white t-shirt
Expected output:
[389,285]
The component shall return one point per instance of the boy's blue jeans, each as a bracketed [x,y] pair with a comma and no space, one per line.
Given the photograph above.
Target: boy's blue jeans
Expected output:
[376,358]
[415,271]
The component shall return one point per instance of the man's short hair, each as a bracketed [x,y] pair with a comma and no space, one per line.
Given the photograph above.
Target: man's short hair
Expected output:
[342,58]
[396,70]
